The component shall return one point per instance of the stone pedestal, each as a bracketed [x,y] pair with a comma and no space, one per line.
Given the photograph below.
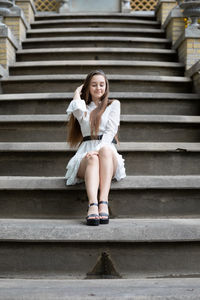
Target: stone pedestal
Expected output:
[18,25]
[13,16]
[163,8]
[188,47]
[194,72]
[8,47]
[174,24]
[28,8]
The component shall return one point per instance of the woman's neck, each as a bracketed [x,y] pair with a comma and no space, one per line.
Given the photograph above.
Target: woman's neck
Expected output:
[96,101]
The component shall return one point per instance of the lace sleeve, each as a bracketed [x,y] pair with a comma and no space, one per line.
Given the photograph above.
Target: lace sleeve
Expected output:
[112,125]
[78,108]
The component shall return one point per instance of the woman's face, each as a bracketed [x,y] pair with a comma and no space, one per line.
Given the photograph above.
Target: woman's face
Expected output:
[97,87]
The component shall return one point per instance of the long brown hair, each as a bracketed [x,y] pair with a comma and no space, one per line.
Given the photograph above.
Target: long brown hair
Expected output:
[74,131]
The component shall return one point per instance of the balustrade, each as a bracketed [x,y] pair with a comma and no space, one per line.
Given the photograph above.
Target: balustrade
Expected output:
[135,5]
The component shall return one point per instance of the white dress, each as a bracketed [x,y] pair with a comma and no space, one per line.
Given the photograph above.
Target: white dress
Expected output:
[110,120]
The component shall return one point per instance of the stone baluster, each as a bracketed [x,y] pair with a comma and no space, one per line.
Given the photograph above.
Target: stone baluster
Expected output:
[126,6]
[64,6]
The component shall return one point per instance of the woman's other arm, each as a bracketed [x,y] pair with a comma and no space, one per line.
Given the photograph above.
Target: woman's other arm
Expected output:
[112,125]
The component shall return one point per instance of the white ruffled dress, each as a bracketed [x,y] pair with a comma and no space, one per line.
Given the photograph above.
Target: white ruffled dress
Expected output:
[110,120]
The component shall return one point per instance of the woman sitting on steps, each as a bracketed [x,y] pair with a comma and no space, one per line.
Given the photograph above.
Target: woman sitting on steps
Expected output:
[94,121]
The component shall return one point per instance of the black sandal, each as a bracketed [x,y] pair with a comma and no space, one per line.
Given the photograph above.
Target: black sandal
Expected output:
[104,220]
[92,222]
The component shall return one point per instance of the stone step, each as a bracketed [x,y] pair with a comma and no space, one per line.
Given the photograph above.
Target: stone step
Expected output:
[75,16]
[95,32]
[97,53]
[95,22]
[133,128]
[118,289]
[109,66]
[133,197]
[131,103]
[118,83]
[50,159]
[73,231]
[51,248]
[102,41]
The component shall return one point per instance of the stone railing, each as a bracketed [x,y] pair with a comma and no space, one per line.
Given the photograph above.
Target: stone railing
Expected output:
[15,19]
[180,19]
[72,5]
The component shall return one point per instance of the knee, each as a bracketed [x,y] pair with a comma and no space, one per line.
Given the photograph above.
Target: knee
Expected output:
[105,152]
[93,159]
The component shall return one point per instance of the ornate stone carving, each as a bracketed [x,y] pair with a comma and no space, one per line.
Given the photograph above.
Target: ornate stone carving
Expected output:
[5,6]
[191,9]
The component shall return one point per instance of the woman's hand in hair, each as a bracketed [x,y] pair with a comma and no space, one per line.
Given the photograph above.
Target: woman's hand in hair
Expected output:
[79,89]
[77,93]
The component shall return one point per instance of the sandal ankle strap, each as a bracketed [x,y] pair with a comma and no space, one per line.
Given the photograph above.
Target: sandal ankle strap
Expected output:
[103,202]
[91,204]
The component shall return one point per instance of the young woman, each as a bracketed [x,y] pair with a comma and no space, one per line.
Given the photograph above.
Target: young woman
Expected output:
[93,123]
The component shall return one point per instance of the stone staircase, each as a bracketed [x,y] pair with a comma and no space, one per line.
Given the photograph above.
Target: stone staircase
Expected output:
[151,246]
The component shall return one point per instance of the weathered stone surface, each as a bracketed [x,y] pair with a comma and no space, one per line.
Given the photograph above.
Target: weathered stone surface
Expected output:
[139,230]
[109,66]
[135,289]
[68,83]
[96,53]
[42,159]
[93,41]
[95,22]
[136,182]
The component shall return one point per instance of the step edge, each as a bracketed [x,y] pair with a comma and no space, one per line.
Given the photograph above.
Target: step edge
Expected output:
[138,182]
[140,230]
[123,147]
[125,95]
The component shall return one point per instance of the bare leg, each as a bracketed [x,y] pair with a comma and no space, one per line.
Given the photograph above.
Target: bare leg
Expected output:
[89,170]
[107,169]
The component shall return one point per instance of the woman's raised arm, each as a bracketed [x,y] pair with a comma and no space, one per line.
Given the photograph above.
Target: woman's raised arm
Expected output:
[77,106]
